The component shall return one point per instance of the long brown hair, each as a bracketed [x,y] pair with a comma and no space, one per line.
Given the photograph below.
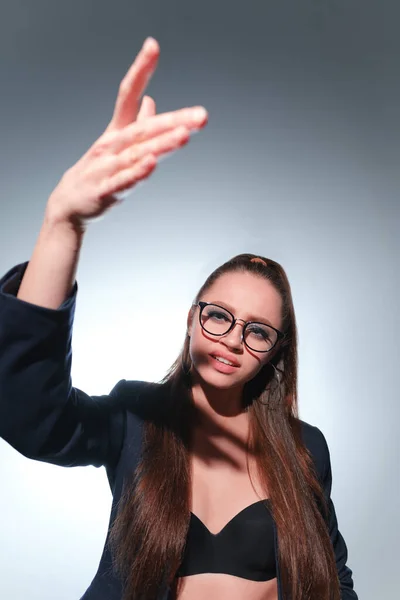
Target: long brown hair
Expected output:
[149,531]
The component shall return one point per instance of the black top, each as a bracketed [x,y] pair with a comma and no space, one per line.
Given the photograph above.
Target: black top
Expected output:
[45,418]
[244,547]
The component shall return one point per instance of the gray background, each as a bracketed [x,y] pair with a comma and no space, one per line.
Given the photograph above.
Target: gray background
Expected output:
[299,162]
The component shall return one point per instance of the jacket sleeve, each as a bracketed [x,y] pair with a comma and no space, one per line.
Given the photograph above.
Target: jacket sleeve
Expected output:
[41,415]
[339,545]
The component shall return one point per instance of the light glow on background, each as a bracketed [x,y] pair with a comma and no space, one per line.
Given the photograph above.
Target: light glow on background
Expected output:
[299,163]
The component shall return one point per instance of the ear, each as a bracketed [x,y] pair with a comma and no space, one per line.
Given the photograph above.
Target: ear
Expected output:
[190,320]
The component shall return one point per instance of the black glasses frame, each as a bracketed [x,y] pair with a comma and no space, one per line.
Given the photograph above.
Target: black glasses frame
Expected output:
[202,306]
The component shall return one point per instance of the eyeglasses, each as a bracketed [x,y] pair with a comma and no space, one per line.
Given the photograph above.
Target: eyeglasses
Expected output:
[217,320]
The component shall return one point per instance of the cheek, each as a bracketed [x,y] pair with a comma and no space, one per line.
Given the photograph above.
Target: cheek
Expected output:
[200,349]
[255,367]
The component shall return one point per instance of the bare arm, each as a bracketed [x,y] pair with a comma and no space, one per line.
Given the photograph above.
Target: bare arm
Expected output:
[126,153]
[50,274]
[41,414]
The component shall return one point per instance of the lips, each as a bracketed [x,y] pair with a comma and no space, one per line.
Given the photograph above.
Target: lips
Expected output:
[223,355]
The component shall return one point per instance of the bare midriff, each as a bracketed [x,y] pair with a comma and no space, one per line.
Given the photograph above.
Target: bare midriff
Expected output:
[218,586]
[214,478]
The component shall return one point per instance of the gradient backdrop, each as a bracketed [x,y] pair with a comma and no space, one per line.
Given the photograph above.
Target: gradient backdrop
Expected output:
[299,162]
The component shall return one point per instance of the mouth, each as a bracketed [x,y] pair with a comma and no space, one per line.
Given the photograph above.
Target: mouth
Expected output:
[224,360]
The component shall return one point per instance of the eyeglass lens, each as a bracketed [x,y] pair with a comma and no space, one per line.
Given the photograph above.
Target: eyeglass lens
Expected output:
[258,336]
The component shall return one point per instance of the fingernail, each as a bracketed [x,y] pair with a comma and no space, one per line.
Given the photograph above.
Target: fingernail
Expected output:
[200,114]
[149,43]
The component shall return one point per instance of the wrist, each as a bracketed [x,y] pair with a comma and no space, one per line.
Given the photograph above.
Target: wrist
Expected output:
[54,223]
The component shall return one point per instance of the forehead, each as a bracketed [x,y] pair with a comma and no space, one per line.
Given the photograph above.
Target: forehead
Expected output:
[248,296]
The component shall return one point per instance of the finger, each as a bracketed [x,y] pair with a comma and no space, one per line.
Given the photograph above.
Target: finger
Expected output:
[134,83]
[192,118]
[110,164]
[147,108]
[167,142]
[126,178]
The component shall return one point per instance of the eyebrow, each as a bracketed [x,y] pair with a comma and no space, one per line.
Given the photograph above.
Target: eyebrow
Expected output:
[250,317]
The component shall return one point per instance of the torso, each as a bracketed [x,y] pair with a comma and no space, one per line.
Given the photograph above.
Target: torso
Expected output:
[221,488]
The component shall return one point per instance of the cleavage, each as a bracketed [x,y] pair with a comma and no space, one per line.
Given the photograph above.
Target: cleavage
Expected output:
[241,514]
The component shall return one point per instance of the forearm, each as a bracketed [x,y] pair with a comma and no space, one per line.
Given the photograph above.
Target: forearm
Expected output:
[51,272]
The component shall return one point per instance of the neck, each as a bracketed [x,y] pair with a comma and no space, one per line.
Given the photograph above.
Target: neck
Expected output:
[217,407]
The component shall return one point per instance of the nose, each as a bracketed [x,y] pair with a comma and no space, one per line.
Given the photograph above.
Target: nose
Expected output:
[234,337]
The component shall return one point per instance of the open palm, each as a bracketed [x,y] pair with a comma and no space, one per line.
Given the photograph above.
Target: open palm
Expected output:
[128,149]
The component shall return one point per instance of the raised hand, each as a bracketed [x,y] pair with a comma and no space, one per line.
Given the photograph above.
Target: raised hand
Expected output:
[128,149]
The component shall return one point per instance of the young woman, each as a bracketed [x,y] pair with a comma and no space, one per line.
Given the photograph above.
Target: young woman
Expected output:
[219,489]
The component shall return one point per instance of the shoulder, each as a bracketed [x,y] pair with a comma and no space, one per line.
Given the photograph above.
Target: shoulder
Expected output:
[316,443]
[143,399]
[130,404]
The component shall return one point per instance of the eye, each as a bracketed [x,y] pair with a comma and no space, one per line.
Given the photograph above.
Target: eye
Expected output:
[217,315]
[259,332]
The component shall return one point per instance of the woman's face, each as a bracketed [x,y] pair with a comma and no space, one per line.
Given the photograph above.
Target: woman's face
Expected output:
[247,297]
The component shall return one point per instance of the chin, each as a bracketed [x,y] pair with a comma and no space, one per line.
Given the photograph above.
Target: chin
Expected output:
[209,376]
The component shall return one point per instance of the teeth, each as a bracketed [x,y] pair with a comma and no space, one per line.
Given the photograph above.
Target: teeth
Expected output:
[223,360]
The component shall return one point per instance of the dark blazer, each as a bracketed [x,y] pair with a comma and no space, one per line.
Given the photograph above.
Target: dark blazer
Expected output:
[44,418]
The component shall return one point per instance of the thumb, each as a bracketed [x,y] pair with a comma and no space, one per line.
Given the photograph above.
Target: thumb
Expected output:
[147,108]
